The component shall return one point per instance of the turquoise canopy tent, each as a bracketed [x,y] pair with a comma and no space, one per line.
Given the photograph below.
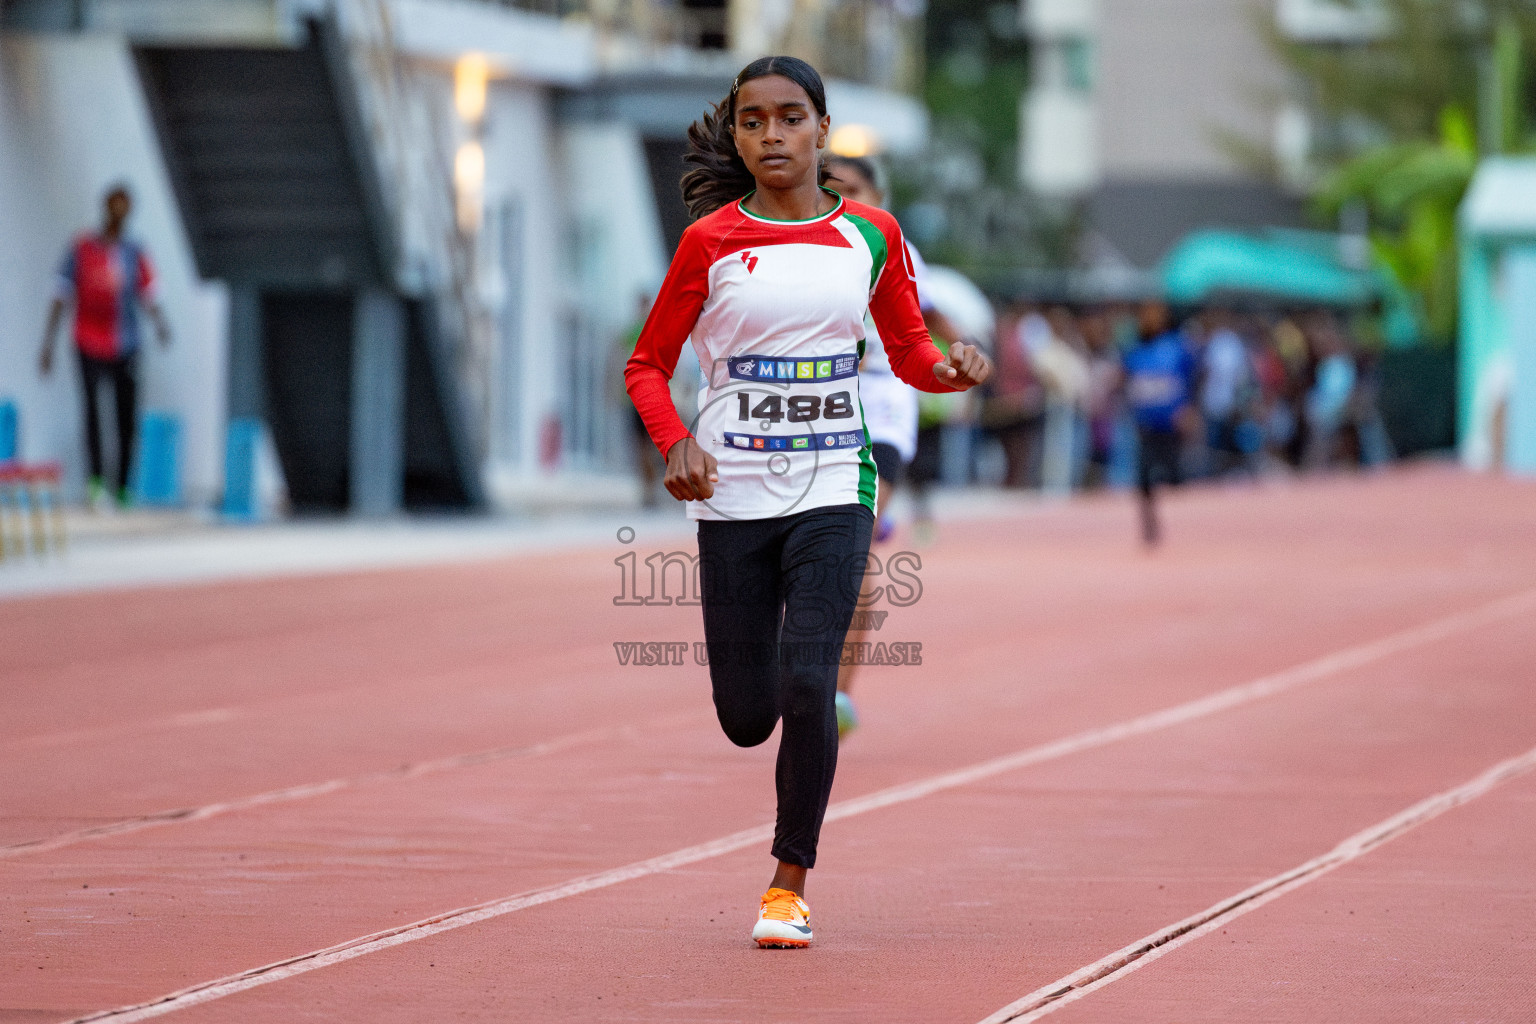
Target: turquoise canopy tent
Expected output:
[1212,262]
[1281,266]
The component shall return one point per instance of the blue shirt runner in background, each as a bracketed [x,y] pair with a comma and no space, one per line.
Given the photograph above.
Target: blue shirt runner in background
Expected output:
[1159,381]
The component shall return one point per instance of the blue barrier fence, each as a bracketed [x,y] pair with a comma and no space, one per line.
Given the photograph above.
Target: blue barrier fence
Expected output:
[10,432]
[156,478]
[241,450]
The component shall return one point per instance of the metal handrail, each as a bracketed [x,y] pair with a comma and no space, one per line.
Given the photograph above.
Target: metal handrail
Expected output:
[411,148]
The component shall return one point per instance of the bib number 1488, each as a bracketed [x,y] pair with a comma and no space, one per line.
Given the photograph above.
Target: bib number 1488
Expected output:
[801,408]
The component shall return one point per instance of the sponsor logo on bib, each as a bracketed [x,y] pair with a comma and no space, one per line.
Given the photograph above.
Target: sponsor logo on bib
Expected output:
[794,442]
[763,368]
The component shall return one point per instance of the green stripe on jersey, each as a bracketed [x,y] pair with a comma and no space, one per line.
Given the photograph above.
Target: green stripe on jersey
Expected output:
[876,242]
[869,479]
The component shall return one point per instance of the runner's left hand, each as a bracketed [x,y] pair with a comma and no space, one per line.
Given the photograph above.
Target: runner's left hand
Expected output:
[965,367]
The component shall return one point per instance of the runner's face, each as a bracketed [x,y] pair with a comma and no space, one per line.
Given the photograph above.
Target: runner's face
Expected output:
[1154,319]
[850,184]
[118,207]
[778,133]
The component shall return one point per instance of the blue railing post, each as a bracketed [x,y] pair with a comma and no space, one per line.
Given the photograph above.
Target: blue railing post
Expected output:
[157,466]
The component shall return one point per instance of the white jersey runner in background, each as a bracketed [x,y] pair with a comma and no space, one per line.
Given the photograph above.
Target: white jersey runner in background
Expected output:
[890,407]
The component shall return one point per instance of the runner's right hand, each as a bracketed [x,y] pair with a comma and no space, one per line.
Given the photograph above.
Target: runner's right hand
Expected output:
[691,471]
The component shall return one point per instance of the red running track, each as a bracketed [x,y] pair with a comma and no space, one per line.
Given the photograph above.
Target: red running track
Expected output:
[201,781]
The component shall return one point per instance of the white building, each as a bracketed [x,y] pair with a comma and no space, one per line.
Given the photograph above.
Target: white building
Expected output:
[405,235]
[1169,115]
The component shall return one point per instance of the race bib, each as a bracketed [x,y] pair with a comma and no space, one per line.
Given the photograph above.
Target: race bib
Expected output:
[771,404]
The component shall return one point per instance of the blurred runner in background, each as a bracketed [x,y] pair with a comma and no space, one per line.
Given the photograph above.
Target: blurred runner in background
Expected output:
[961,314]
[890,406]
[1159,384]
[108,277]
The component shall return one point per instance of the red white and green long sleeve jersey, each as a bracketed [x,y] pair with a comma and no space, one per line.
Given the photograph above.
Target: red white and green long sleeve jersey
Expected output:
[775,311]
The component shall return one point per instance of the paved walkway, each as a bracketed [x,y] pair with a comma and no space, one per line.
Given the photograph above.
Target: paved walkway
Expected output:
[132,549]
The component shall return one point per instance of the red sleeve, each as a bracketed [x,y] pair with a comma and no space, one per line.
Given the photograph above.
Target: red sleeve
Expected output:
[670,322]
[898,317]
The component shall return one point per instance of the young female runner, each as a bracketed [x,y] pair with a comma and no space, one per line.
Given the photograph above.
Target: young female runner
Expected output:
[771,284]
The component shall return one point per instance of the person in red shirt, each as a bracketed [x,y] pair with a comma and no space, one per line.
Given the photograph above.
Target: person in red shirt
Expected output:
[109,278]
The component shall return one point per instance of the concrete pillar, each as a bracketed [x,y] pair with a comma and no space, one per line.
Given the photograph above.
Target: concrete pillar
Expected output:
[247,375]
[1520,426]
[247,406]
[377,468]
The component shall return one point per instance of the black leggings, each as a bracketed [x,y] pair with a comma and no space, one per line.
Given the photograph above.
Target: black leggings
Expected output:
[125,394]
[778,597]
[1160,460]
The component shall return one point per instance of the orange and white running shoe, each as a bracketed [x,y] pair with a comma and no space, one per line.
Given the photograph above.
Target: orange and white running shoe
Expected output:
[784,922]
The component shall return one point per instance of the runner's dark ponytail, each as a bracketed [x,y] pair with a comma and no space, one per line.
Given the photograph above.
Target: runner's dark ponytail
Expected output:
[718,175]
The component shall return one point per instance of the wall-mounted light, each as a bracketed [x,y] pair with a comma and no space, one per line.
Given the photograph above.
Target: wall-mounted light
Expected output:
[470,76]
[854,140]
[469,185]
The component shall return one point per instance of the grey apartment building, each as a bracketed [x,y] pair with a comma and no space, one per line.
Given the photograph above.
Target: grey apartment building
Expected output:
[1166,116]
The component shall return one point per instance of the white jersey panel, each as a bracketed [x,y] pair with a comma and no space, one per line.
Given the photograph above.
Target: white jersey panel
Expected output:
[777,341]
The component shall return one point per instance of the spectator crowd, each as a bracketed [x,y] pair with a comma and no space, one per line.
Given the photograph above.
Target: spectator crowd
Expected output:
[1128,394]
[1234,391]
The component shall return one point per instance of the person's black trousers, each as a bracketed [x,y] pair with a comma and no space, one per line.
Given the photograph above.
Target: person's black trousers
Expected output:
[778,597]
[1161,459]
[122,374]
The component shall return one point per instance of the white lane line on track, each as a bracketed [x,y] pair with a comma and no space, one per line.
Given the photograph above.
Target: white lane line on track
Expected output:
[1266,686]
[290,794]
[1139,954]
